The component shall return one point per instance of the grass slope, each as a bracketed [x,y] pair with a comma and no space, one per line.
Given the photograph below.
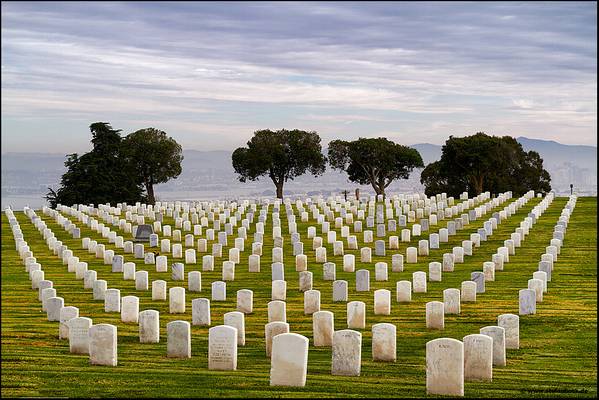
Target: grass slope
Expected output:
[557,357]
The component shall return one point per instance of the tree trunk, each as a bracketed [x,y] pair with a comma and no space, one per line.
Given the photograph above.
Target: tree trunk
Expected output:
[479,185]
[279,190]
[150,190]
[378,189]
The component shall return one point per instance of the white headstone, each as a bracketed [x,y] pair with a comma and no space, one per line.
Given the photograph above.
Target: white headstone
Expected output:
[130,309]
[289,361]
[222,348]
[245,301]
[103,345]
[356,315]
[176,297]
[178,339]
[79,335]
[404,291]
[498,335]
[451,301]
[478,358]
[435,315]
[149,326]
[445,367]
[271,330]
[382,302]
[200,312]
[511,324]
[384,342]
[323,328]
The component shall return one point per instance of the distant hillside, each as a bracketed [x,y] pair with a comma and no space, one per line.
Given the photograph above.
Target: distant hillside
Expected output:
[429,152]
[554,153]
[33,162]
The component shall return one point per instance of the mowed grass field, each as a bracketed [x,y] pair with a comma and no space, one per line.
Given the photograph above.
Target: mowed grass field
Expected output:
[558,345]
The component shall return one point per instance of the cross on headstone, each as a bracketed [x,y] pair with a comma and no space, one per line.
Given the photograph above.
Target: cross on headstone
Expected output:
[345,193]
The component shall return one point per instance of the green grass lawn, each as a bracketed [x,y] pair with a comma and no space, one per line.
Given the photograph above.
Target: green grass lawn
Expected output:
[557,355]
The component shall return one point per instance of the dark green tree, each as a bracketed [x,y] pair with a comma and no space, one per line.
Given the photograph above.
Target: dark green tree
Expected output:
[481,163]
[281,155]
[153,156]
[100,175]
[377,162]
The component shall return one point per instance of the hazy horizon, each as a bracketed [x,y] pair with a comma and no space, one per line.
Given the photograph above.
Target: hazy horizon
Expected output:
[210,74]
[324,147]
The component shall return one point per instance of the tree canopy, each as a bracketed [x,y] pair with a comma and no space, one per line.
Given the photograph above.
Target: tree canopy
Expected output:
[481,163]
[100,175]
[376,161]
[281,155]
[153,156]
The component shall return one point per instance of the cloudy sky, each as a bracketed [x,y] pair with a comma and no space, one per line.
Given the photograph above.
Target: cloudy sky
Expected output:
[211,73]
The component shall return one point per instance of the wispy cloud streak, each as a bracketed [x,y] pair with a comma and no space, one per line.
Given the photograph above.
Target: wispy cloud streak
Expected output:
[415,71]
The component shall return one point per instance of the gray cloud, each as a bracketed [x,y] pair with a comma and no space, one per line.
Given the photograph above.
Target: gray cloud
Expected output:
[409,70]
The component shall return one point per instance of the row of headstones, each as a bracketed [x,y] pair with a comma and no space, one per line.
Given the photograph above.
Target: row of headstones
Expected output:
[380,245]
[111,297]
[435,310]
[177,251]
[304,374]
[99,341]
[189,238]
[510,245]
[195,280]
[161,262]
[404,288]
[450,362]
[100,346]
[528,298]
[356,310]
[142,284]
[190,256]
[289,354]
[147,211]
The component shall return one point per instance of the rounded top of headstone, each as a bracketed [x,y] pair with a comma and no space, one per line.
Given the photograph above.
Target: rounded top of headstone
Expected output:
[383,325]
[178,323]
[492,328]
[479,337]
[323,312]
[451,290]
[277,323]
[152,312]
[226,329]
[273,302]
[356,303]
[444,342]
[435,303]
[104,328]
[347,333]
[507,316]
